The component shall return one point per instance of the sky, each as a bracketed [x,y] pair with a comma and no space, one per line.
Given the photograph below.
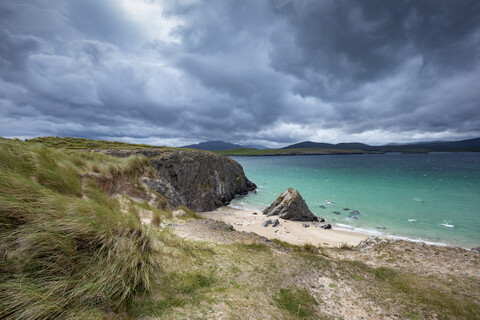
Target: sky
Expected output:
[270,72]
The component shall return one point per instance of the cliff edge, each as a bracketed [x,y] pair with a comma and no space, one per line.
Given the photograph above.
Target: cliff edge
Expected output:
[202,181]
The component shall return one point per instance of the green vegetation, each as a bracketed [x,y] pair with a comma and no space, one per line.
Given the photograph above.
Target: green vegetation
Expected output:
[87,144]
[279,152]
[298,302]
[188,213]
[421,293]
[68,250]
[306,248]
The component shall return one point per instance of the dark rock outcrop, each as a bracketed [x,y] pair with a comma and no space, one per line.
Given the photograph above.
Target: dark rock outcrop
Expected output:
[200,180]
[290,206]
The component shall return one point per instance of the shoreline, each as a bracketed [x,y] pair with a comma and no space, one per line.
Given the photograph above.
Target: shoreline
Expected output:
[292,231]
[289,231]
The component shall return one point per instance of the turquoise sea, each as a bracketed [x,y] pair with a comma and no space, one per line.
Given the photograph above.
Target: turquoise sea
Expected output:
[429,197]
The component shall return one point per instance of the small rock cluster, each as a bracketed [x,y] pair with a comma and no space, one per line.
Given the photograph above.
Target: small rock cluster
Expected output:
[369,243]
[274,223]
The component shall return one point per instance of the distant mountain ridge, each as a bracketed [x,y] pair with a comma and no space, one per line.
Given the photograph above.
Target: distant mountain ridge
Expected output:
[213,146]
[434,146]
[472,145]
[322,145]
[221,145]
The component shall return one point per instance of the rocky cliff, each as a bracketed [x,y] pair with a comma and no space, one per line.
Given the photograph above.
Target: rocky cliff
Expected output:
[200,180]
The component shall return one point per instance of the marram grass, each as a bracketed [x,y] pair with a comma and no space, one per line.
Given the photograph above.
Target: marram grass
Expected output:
[67,251]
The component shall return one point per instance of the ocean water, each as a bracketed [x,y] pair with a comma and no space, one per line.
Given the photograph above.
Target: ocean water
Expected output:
[428,197]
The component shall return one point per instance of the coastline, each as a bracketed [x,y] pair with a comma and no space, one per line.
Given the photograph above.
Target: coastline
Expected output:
[289,231]
[293,232]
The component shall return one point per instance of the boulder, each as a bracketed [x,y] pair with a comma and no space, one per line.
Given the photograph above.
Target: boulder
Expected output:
[326,226]
[275,223]
[266,223]
[305,225]
[290,206]
[477,249]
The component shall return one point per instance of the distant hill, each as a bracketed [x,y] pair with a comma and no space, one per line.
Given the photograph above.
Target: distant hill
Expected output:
[339,146]
[421,147]
[222,145]
[213,146]
[255,146]
[469,143]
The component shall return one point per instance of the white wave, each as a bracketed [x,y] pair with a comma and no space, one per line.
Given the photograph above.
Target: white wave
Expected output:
[420,240]
[369,231]
[244,206]
[447,224]
[412,220]
[418,200]
[345,227]
[327,202]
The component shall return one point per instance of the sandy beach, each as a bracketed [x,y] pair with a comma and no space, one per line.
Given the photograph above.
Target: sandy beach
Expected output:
[289,231]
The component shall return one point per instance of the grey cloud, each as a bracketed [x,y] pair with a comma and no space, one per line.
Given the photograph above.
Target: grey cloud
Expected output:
[365,40]
[267,71]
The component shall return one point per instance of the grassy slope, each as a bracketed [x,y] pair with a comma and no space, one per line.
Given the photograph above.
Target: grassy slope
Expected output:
[87,144]
[273,152]
[256,281]
[82,144]
[68,250]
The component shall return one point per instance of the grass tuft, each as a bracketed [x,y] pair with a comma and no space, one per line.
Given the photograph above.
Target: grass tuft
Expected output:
[298,302]
[189,213]
[306,248]
[68,252]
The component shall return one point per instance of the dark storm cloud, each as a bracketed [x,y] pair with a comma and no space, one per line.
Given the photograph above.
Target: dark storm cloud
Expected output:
[263,71]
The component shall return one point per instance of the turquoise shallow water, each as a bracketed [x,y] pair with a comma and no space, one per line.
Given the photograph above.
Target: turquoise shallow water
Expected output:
[430,197]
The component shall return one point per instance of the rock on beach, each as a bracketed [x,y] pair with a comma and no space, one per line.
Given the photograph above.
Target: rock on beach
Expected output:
[290,206]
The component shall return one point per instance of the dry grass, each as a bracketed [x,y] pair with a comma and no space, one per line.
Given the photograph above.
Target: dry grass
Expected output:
[68,252]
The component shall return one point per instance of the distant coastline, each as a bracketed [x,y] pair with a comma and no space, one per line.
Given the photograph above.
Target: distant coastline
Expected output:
[320,152]
[320,148]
